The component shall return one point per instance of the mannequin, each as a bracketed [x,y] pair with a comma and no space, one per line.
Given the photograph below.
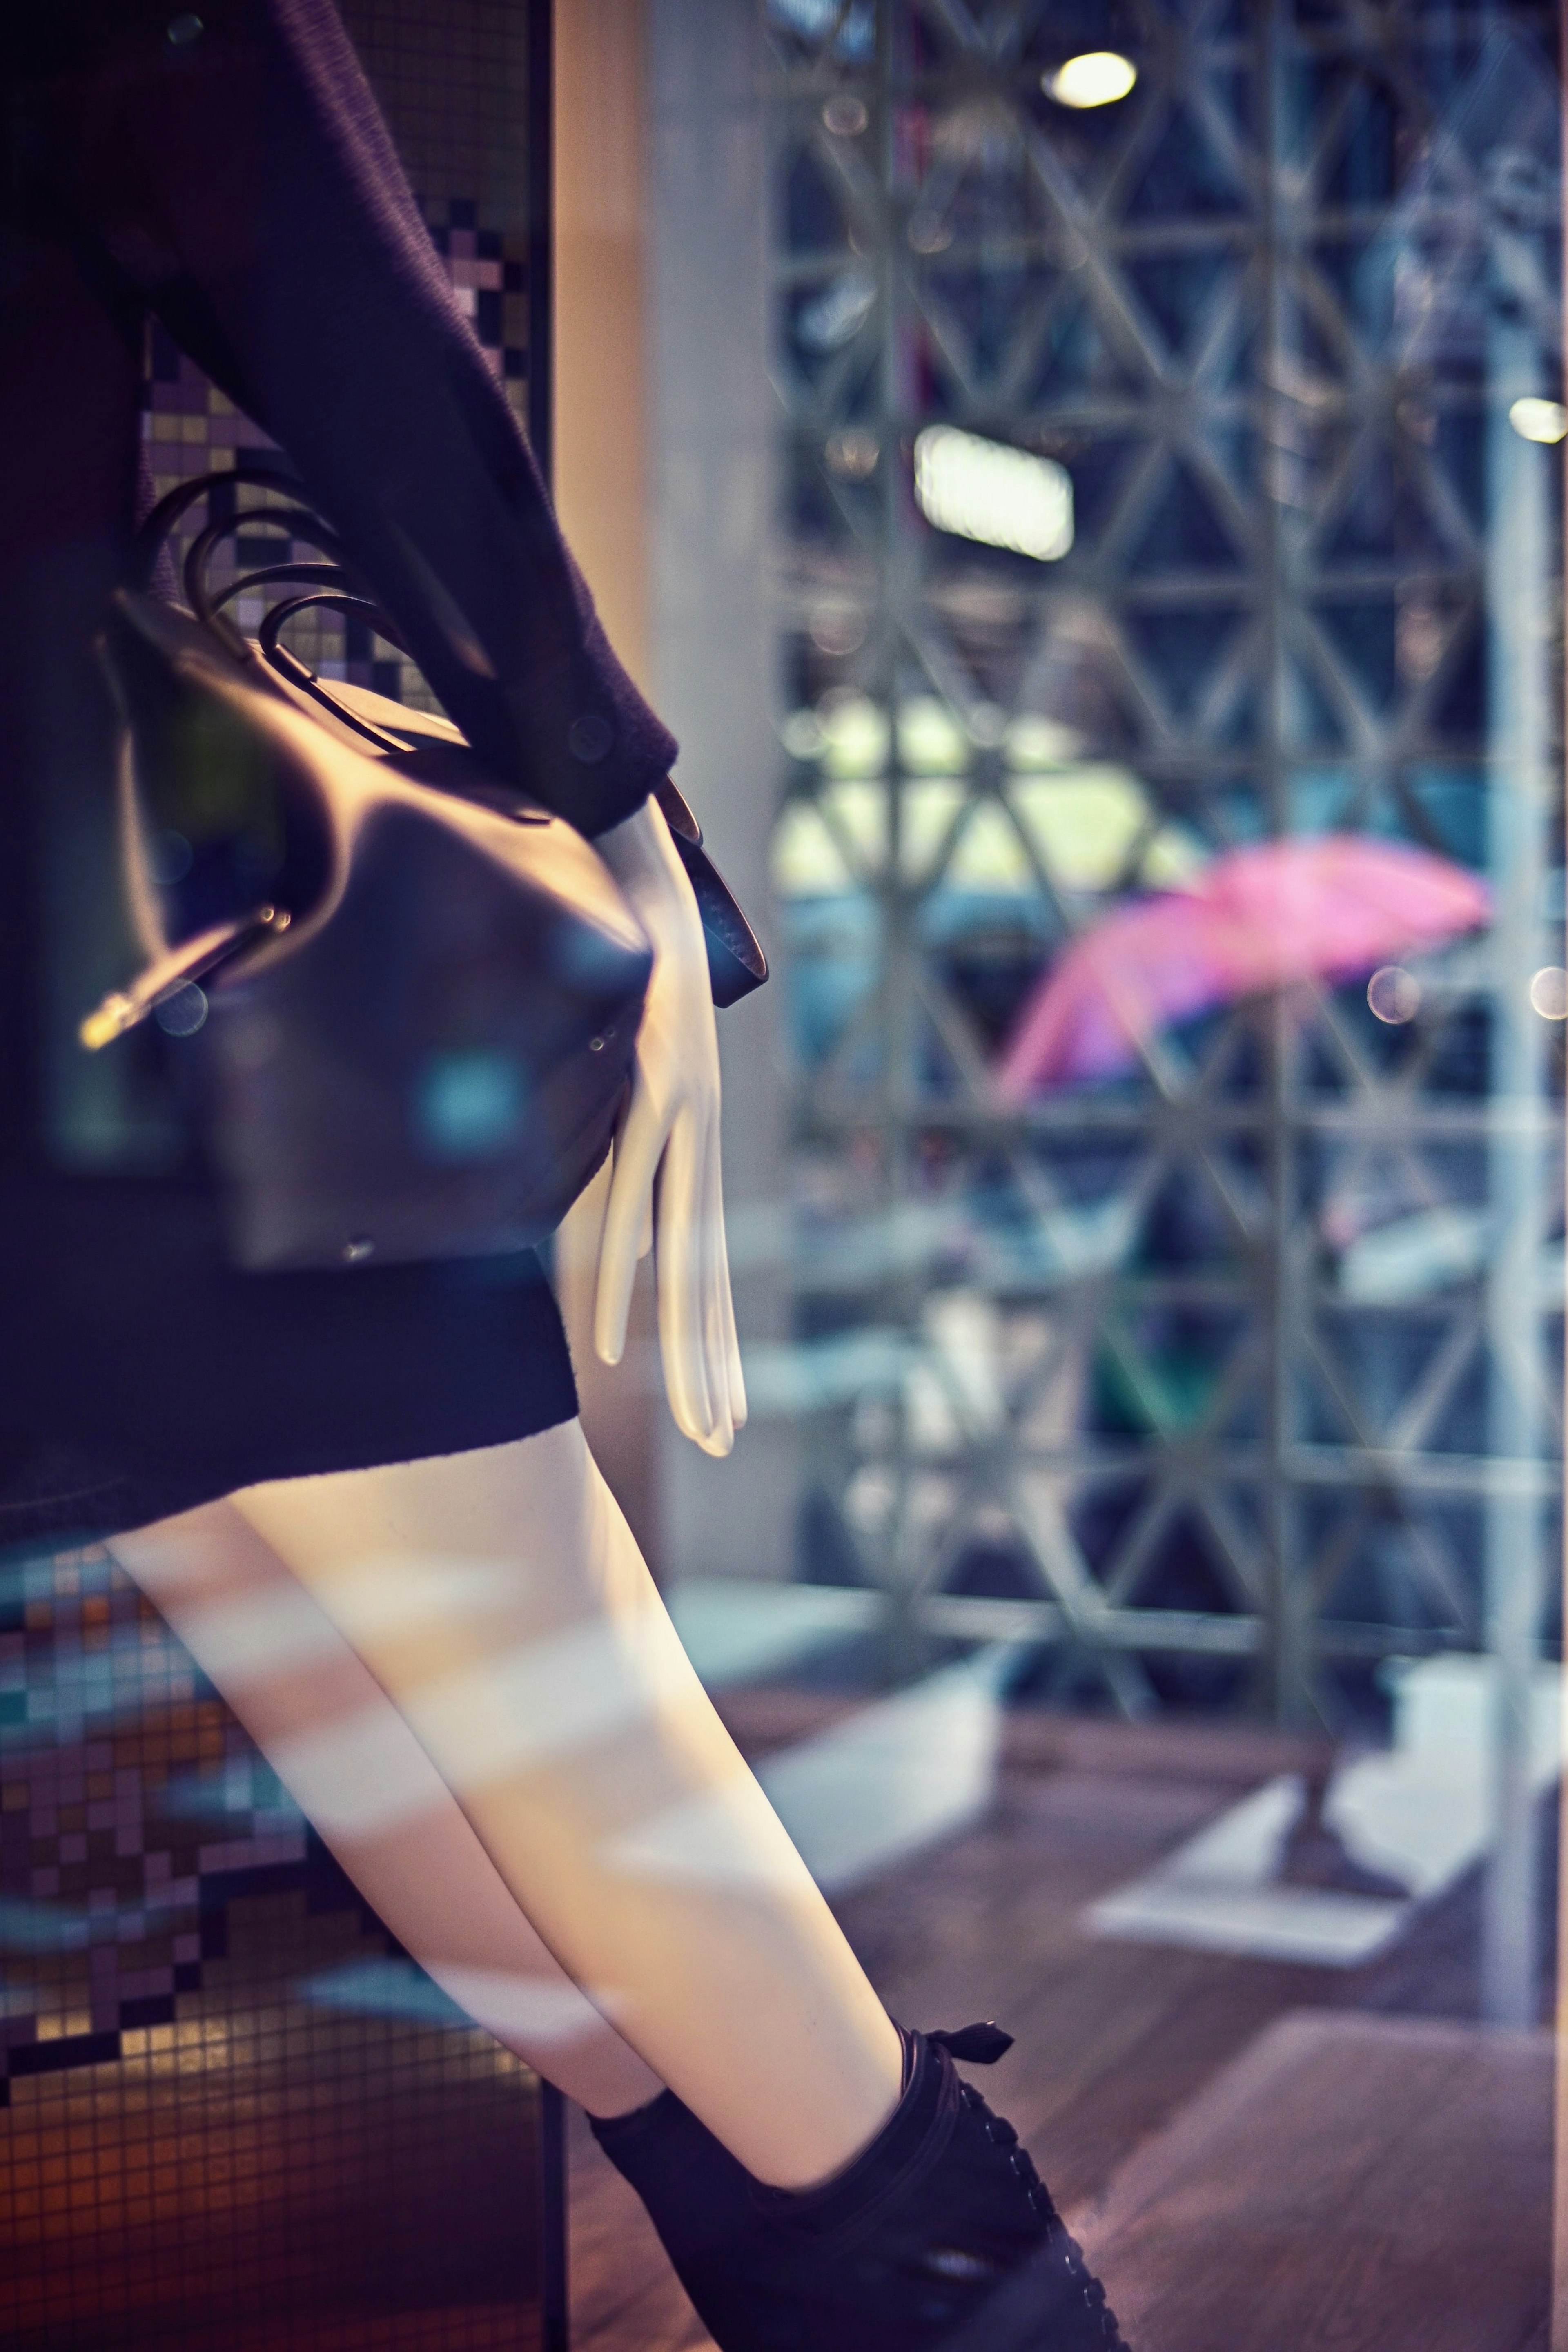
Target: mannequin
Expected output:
[453,1595]
[460,1669]
[364,1500]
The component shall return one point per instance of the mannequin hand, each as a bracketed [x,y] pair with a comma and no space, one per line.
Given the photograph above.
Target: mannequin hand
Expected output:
[666,1185]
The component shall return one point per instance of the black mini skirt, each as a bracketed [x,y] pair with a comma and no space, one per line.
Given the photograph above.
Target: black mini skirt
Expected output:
[142,1374]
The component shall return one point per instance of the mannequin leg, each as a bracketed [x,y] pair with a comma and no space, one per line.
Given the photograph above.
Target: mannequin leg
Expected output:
[498,1599]
[354,1767]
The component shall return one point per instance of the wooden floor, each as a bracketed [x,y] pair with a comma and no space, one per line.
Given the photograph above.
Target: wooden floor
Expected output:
[1397,2193]
[1115,2042]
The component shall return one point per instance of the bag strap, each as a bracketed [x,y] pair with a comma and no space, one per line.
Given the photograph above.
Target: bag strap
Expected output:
[165,977]
[736,962]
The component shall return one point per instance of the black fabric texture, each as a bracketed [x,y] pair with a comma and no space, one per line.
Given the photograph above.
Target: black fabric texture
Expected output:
[143,1381]
[238,182]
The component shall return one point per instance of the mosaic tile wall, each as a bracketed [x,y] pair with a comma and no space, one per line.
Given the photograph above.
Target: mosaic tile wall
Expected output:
[234,2114]
[231,2113]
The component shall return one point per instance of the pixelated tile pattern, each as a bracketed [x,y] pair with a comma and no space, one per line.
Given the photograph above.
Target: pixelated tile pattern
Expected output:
[190,427]
[132,1805]
[206,2122]
[452,81]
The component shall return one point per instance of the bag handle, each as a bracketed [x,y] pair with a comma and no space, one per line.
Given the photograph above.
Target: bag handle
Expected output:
[295,521]
[288,664]
[261,473]
[737,963]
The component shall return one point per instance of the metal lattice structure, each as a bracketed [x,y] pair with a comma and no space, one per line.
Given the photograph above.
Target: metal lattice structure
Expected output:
[1230,1378]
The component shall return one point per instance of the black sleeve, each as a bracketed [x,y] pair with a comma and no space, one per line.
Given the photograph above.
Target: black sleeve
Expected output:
[233,164]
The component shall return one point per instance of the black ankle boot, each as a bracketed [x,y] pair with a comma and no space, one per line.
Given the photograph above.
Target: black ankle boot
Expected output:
[941,2235]
[699,2199]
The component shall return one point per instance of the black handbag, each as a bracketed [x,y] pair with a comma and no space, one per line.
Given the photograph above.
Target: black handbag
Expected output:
[405,998]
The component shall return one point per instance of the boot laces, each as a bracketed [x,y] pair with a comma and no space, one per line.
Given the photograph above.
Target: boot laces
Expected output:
[1000,2134]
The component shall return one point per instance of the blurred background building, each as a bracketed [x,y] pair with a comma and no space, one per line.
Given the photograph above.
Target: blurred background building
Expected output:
[1064,486]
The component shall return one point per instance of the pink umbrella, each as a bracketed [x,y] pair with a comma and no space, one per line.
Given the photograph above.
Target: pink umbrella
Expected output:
[1329,906]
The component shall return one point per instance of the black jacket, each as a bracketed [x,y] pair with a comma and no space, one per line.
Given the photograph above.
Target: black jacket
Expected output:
[231,172]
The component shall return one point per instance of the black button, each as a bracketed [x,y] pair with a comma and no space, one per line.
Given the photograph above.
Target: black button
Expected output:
[588,740]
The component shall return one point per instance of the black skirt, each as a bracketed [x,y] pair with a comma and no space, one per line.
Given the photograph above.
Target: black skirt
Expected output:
[143,1375]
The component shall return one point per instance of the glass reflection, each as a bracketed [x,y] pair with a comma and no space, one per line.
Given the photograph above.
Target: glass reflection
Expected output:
[1175,929]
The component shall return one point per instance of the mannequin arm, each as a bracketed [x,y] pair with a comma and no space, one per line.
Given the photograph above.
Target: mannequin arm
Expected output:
[666,1185]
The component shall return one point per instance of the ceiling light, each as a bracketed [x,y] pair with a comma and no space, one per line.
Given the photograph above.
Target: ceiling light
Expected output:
[1538,420]
[1099,77]
[984,491]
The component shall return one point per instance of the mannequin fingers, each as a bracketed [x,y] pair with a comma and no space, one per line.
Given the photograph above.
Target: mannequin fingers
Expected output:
[712,1429]
[729,1342]
[739,1411]
[678,1281]
[735,1379]
[721,1435]
[716,1292]
[627,1211]
[674,1279]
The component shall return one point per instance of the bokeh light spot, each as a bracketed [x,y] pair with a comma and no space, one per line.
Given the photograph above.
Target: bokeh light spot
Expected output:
[1098,78]
[469,1105]
[1549,992]
[1394,994]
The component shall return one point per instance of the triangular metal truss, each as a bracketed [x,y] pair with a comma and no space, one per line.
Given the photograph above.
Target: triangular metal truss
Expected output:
[1236,1375]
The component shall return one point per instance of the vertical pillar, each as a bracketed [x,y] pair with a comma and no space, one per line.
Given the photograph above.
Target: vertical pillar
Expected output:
[1291,1663]
[1559,2330]
[600,431]
[1518,603]
[711,428]
[601,428]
